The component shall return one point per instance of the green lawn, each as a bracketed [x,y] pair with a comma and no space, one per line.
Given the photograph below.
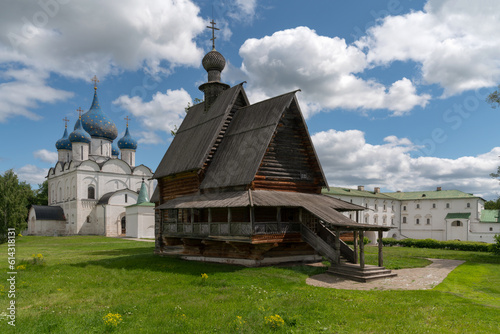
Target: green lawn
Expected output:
[85,278]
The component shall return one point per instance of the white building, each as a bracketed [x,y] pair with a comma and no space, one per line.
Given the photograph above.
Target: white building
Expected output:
[90,186]
[439,214]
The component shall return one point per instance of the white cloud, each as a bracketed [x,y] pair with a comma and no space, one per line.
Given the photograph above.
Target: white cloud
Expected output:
[163,113]
[325,69]
[457,43]
[32,174]
[349,161]
[46,156]
[78,39]
[24,91]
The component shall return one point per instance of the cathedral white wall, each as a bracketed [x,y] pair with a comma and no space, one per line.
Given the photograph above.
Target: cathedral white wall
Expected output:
[100,147]
[68,187]
[128,156]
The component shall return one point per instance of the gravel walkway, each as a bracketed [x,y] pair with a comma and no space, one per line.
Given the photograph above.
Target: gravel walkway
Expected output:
[407,279]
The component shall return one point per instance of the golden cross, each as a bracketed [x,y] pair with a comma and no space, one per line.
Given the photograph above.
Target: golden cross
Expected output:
[79,112]
[95,81]
[127,119]
[66,120]
[213,32]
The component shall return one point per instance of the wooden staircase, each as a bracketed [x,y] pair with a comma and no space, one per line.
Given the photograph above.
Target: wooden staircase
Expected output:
[323,241]
[356,273]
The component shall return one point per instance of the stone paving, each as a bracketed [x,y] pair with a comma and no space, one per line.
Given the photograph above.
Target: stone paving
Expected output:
[407,279]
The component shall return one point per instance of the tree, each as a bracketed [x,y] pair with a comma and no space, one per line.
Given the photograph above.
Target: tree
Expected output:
[14,201]
[492,205]
[494,98]
[40,196]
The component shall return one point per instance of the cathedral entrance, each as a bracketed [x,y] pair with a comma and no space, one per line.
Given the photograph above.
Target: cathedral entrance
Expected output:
[124,225]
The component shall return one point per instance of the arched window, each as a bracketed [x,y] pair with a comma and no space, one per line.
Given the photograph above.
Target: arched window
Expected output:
[404,220]
[457,223]
[81,153]
[91,192]
[417,221]
[126,198]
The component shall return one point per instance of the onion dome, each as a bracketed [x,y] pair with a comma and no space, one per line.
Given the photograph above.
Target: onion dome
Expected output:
[64,143]
[114,150]
[127,142]
[79,135]
[97,123]
[213,61]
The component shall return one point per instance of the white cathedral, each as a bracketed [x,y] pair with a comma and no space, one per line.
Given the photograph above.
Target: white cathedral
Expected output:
[92,189]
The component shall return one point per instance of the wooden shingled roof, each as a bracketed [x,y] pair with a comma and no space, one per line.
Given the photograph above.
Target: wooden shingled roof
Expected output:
[197,134]
[324,207]
[245,142]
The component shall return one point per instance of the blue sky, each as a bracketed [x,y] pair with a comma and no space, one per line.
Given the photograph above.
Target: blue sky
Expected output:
[393,91]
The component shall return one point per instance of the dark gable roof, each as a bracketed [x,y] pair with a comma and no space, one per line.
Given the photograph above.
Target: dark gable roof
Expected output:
[197,134]
[247,138]
[43,212]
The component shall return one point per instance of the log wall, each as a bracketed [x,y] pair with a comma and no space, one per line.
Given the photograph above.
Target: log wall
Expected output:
[289,163]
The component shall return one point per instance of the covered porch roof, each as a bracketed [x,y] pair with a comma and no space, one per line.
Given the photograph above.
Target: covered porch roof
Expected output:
[324,207]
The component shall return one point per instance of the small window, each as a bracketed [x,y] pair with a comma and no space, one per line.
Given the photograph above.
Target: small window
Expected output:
[126,198]
[384,221]
[468,205]
[418,206]
[404,207]
[375,220]
[404,220]
[376,206]
[385,207]
[91,192]
[366,219]
[433,205]
[491,229]
[428,221]
[417,221]
[366,205]
[351,200]
[457,223]
[447,205]
[88,219]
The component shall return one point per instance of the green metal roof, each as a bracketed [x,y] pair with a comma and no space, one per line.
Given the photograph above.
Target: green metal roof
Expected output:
[458,215]
[435,194]
[490,216]
[338,191]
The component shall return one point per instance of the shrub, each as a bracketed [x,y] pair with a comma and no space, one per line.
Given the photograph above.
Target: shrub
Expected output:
[495,248]
[431,243]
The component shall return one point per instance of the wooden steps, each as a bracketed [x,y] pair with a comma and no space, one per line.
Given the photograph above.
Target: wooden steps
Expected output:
[355,273]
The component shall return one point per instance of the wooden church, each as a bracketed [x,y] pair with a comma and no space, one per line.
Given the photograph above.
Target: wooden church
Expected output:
[241,183]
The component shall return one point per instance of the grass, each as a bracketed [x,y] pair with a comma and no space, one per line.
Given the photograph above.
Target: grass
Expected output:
[83,279]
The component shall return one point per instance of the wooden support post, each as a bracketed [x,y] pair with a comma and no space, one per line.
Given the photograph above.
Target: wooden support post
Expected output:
[252,220]
[337,245]
[380,246]
[355,246]
[361,249]
[209,216]
[278,218]
[229,216]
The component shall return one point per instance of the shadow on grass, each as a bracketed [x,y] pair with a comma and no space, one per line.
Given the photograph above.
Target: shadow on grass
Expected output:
[124,251]
[135,260]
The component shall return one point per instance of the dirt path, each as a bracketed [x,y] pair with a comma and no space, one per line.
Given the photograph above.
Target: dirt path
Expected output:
[407,279]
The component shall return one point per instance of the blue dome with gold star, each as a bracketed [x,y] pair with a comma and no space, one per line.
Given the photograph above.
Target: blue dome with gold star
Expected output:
[64,143]
[79,135]
[127,142]
[114,150]
[97,123]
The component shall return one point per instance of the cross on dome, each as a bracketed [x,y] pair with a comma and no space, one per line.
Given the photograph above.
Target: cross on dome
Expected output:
[95,81]
[79,112]
[213,32]
[127,119]
[65,120]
